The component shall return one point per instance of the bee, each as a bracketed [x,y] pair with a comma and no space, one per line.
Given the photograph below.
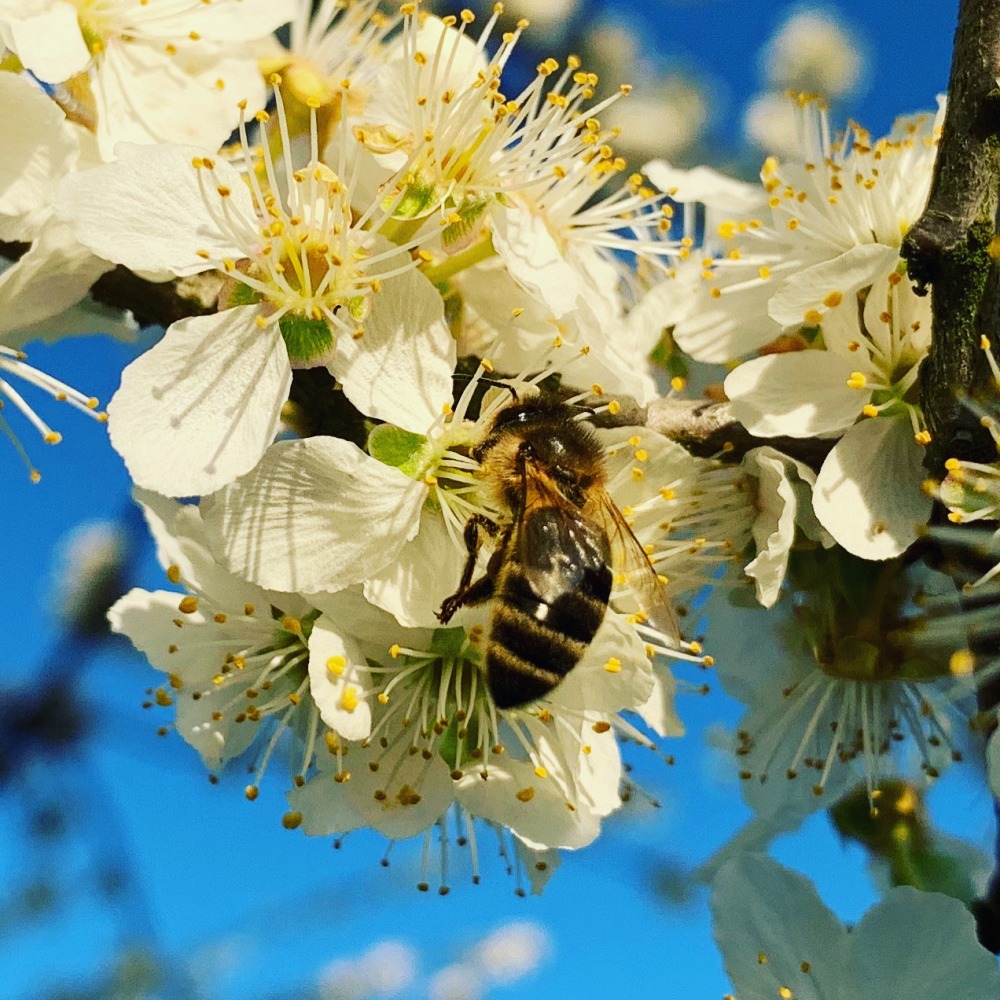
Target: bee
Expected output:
[558,547]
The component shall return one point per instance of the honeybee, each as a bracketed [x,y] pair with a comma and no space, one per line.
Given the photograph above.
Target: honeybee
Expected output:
[552,570]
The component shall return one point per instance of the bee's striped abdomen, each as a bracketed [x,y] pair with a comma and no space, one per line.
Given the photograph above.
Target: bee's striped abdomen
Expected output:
[534,643]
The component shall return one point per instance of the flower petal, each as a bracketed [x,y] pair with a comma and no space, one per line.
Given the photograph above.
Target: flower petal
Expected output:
[48,41]
[152,210]
[317,514]
[425,572]
[534,260]
[183,551]
[760,909]
[39,148]
[806,291]
[339,680]
[200,407]
[922,946]
[535,809]
[868,493]
[784,491]
[54,275]
[800,394]
[143,95]
[400,370]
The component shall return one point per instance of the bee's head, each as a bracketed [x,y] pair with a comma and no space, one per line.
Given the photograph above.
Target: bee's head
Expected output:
[546,433]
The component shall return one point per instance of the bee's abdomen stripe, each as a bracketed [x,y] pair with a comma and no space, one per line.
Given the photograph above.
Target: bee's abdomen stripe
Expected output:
[533,641]
[514,680]
[577,615]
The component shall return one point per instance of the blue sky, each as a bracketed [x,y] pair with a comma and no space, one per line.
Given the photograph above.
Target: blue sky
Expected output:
[219,878]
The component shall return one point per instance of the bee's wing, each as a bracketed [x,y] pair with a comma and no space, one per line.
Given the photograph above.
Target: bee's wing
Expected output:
[631,562]
[560,550]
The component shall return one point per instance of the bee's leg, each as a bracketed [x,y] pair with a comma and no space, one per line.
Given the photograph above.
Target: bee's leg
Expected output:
[469,592]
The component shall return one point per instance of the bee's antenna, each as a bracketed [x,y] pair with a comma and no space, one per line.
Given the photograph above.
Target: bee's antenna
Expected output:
[495,383]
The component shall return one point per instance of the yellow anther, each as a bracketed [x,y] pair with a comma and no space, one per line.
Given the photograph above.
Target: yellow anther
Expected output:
[395,650]
[336,665]
[677,383]
[541,772]
[188,605]
[870,410]
[833,300]
[962,662]
[349,700]
[765,273]
[613,665]
[922,437]
[857,380]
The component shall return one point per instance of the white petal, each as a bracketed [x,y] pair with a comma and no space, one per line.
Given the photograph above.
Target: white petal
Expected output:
[799,394]
[182,543]
[536,809]
[806,290]
[733,325]
[707,186]
[325,805]
[993,763]
[868,493]
[922,946]
[84,319]
[144,96]
[367,623]
[412,793]
[51,277]
[194,650]
[784,487]
[613,674]
[221,20]
[39,148]
[49,42]
[659,711]
[200,407]
[534,259]
[152,210]
[424,573]
[400,370]
[339,680]
[760,908]
[317,514]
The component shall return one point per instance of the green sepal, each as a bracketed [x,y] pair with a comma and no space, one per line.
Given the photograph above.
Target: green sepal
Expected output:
[243,295]
[305,339]
[419,200]
[400,449]
[857,659]
[459,235]
[449,643]
[668,356]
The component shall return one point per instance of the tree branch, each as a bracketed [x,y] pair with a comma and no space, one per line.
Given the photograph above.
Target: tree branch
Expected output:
[948,248]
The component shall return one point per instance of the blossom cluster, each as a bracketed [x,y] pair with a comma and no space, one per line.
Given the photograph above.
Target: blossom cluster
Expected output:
[402,250]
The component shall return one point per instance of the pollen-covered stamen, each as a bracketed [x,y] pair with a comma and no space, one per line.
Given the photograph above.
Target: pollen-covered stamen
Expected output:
[310,265]
[13,362]
[335,46]
[263,682]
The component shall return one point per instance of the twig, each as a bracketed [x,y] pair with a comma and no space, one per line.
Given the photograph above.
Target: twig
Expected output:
[948,248]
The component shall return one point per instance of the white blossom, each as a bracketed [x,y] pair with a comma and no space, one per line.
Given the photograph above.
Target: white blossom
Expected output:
[779,940]
[309,285]
[145,66]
